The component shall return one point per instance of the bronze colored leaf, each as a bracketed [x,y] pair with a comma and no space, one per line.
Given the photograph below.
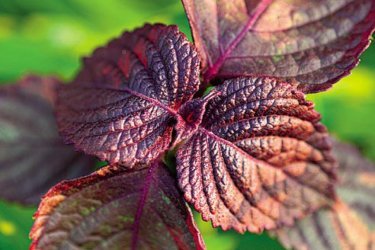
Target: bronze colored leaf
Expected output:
[115,209]
[259,159]
[309,43]
[350,224]
[122,105]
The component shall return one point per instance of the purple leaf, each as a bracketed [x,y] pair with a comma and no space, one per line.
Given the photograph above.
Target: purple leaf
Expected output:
[115,209]
[123,104]
[311,44]
[32,156]
[259,159]
[350,223]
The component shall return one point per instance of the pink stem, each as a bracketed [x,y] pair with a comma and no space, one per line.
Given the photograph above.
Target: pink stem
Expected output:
[141,205]
[259,10]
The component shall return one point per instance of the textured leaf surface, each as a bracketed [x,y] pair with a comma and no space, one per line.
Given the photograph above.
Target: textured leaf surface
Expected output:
[311,44]
[259,159]
[121,105]
[113,209]
[351,222]
[32,156]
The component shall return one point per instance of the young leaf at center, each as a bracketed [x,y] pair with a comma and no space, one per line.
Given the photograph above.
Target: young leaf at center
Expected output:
[251,154]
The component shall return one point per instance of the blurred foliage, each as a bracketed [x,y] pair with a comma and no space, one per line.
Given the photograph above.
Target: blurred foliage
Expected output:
[49,37]
[15,224]
[348,108]
[230,240]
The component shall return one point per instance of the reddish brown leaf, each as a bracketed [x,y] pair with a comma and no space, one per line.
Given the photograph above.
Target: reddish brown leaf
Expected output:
[350,224]
[32,156]
[123,104]
[114,209]
[309,43]
[259,159]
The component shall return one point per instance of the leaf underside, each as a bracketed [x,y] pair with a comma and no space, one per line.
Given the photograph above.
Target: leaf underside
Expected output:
[121,105]
[311,44]
[259,159]
[351,222]
[115,209]
[32,156]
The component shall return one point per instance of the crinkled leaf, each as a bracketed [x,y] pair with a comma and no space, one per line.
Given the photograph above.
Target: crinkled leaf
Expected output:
[259,159]
[115,209]
[311,44]
[121,105]
[351,222]
[32,156]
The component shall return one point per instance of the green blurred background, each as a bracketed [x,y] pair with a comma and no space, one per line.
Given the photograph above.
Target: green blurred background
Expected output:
[49,37]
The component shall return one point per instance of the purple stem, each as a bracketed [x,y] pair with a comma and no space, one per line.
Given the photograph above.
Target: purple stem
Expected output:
[259,10]
[141,205]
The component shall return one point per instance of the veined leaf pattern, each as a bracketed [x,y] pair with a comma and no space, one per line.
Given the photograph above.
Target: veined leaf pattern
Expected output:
[122,105]
[259,159]
[310,44]
[116,209]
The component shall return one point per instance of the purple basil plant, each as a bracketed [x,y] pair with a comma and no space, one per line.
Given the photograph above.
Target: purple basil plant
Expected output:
[221,124]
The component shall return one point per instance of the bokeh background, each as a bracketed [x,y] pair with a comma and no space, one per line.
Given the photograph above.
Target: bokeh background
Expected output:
[50,37]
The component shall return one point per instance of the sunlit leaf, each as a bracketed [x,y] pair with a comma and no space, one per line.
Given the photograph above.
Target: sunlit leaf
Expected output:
[259,159]
[115,209]
[311,44]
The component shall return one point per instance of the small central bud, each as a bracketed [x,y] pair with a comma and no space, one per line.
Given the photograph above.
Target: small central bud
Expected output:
[192,112]
[190,116]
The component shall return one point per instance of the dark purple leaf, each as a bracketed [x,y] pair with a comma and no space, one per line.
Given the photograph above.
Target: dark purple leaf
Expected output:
[122,105]
[259,159]
[310,43]
[115,209]
[350,223]
[32,156]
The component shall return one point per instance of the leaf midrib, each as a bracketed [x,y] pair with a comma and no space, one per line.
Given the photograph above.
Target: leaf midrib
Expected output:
[259,10]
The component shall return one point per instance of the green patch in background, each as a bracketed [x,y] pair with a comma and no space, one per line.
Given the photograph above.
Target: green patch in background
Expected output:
[348,109]
[216,238]
[50,36]
[15,224]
